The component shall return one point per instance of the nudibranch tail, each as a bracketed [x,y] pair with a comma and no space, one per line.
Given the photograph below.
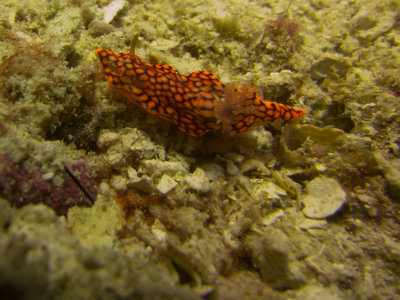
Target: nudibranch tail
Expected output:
[197,102]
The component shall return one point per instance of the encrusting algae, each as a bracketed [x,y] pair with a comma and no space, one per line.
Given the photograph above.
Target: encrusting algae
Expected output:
[273,213]
[197,102]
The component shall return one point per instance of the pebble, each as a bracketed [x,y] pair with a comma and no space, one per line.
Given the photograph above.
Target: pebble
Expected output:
[324,198]
[198,181]
[114,157]
[272,218]
[231,168]
[213,171]
[166,184]
[143,184]
[313,224]
[118,182]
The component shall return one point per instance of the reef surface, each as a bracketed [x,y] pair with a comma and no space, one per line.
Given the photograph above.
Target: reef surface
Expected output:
[101,201]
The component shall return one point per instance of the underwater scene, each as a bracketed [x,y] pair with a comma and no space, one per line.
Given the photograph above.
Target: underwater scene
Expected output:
[198,149]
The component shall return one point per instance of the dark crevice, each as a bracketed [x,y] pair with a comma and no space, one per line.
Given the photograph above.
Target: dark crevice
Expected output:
[73,59]
[81,127]
[335,115]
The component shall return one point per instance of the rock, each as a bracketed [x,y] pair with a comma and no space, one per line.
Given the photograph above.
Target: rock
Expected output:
[6,212]
[107,139]
[242,285]
[391,172]
[132,174]
[254,164]
[272,218]
[268,190]
[272,254]
[155,167]
[213,171]
[393,249]
[143,183]
[199,258]
[231,168]
[313,224]
[314,292]
[324,198]
[119,183]
[166,184]
[198,181]
[114,158]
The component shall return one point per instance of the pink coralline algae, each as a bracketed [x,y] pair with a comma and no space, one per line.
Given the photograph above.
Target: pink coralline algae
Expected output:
[21,183]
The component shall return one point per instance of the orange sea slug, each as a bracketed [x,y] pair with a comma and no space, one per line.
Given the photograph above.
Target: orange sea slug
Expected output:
[197,102]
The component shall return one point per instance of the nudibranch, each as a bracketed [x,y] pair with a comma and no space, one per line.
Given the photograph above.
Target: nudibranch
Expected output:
[197,102]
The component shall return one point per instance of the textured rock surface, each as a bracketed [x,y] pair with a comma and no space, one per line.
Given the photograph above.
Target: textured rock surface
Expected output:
[216,217]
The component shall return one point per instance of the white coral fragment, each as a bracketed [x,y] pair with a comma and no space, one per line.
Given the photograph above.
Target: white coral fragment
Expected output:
[324,198]
[111,10]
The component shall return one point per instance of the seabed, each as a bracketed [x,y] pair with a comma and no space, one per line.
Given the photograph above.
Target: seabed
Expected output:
[99,200]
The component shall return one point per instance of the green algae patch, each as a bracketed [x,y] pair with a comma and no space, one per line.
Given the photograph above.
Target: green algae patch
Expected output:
[41,256]
[295,135]
[60,30]
[29,15]
[96,227]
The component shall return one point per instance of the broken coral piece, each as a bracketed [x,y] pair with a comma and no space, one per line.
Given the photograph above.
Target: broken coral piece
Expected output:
[324,198]
[112,9]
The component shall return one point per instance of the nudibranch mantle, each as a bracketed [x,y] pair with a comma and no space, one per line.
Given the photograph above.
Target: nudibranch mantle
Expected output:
[197,102]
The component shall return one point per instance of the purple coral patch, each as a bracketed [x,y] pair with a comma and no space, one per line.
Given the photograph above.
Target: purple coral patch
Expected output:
[22,183]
